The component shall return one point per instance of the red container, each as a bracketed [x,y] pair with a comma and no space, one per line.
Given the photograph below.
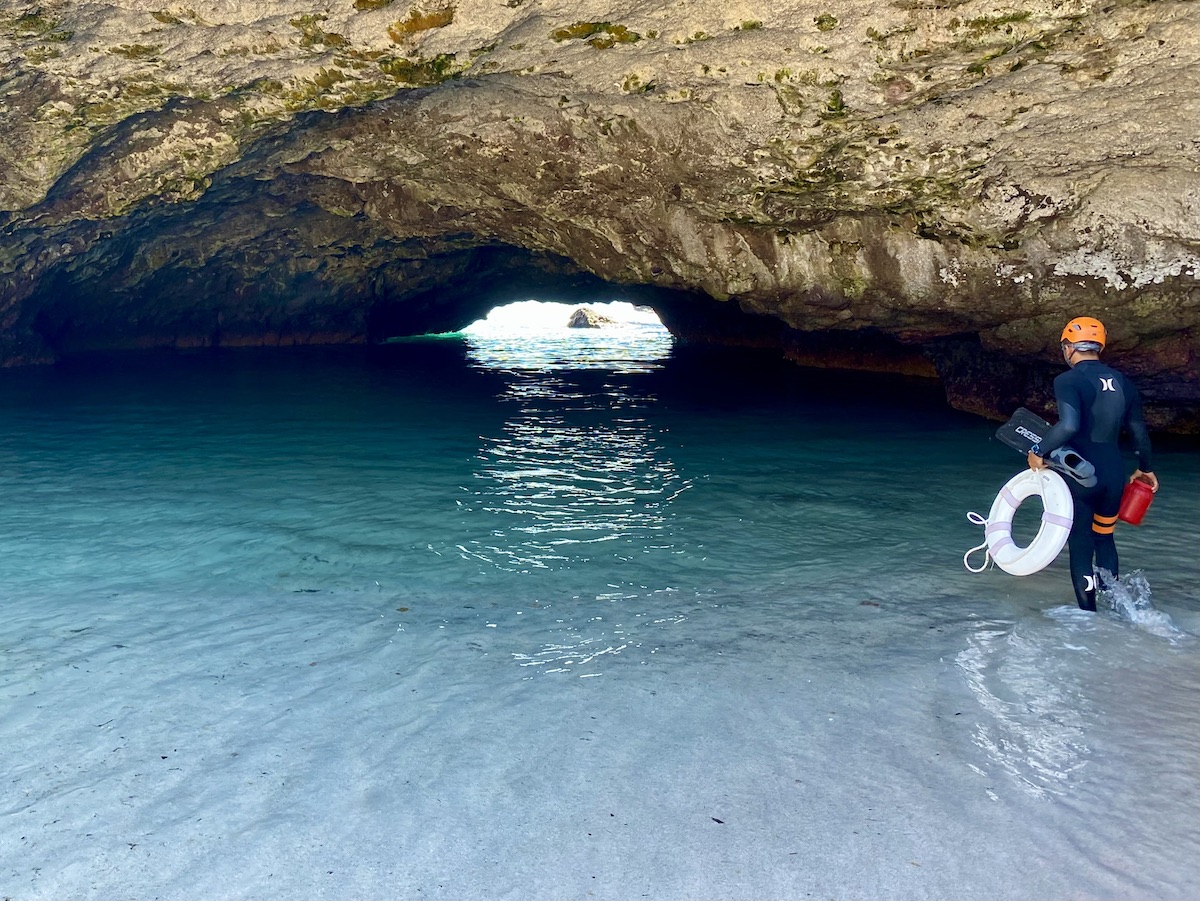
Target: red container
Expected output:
[1135,502]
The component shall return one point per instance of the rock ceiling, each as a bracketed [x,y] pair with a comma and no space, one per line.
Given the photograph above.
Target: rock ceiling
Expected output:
[920,186]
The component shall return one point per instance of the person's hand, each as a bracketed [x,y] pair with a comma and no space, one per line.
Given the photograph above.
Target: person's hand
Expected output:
[1035,462]
[1147,477]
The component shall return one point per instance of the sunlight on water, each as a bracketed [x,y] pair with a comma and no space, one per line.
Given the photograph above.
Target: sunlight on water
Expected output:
[567,486]
[577,471]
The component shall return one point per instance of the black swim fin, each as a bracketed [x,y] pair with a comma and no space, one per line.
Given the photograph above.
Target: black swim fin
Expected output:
[1026,429]
[1023,431]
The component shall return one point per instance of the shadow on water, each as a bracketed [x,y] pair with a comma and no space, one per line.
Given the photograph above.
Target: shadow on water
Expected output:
[687,377]
[454,369]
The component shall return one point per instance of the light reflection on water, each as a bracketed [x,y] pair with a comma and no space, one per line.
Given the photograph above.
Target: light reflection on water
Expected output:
[568,480]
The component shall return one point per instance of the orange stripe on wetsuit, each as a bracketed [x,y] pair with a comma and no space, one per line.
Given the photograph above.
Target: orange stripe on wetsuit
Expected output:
[1103,525]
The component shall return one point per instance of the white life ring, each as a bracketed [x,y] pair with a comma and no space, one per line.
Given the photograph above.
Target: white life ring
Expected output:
[1058,512]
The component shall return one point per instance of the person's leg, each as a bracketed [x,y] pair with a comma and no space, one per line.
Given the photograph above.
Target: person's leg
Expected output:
[1104,520]
[1081,544]
[1106,547]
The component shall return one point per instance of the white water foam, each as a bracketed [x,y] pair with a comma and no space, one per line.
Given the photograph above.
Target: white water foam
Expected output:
[1129,598]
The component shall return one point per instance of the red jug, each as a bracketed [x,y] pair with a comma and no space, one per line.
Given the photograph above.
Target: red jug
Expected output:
[1135,502]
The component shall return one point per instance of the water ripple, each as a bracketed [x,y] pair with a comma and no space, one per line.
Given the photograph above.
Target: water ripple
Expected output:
[559,483]
[1034,727]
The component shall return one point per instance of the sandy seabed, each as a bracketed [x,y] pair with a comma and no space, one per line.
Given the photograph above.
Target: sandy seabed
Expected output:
[338,747]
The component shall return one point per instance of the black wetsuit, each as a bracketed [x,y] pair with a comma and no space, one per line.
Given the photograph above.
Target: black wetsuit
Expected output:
[1094,403]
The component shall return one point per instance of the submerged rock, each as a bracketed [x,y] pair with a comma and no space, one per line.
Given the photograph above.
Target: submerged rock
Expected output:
[586,317]
[929,188]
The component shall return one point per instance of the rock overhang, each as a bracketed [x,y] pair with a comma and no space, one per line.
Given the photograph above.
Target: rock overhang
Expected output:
[925,182]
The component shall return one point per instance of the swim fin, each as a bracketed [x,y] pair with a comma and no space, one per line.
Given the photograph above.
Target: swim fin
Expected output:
[1026,429]
[1023,431]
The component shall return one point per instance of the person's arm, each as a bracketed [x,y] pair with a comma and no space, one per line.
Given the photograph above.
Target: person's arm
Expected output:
[1063,430]
[1148,477]
[1136,424]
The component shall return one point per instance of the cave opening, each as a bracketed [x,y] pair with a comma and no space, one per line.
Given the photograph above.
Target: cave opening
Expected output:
[547,334]
[534,315]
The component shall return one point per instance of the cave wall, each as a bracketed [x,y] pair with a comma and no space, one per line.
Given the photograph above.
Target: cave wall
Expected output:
[929,188]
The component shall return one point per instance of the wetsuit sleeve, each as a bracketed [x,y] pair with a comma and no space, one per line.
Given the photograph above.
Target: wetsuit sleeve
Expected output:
[1069,404]
[1136,424]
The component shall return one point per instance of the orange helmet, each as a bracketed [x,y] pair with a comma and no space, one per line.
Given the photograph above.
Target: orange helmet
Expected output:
[1085,328]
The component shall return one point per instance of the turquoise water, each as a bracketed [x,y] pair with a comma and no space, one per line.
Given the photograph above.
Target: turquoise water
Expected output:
[563,615]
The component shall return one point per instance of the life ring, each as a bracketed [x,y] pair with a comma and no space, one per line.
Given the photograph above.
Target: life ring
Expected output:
[1058,512]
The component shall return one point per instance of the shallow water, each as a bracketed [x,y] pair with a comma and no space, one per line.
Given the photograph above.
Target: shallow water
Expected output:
[581,614]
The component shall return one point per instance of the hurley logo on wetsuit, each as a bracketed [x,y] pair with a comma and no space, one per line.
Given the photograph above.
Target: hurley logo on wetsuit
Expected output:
[1107,385]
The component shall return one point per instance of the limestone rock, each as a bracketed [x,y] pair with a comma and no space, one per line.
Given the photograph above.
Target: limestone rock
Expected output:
[903,185]
[586,317]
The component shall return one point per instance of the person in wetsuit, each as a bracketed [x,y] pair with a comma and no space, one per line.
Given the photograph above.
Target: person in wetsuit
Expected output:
[1095,402]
